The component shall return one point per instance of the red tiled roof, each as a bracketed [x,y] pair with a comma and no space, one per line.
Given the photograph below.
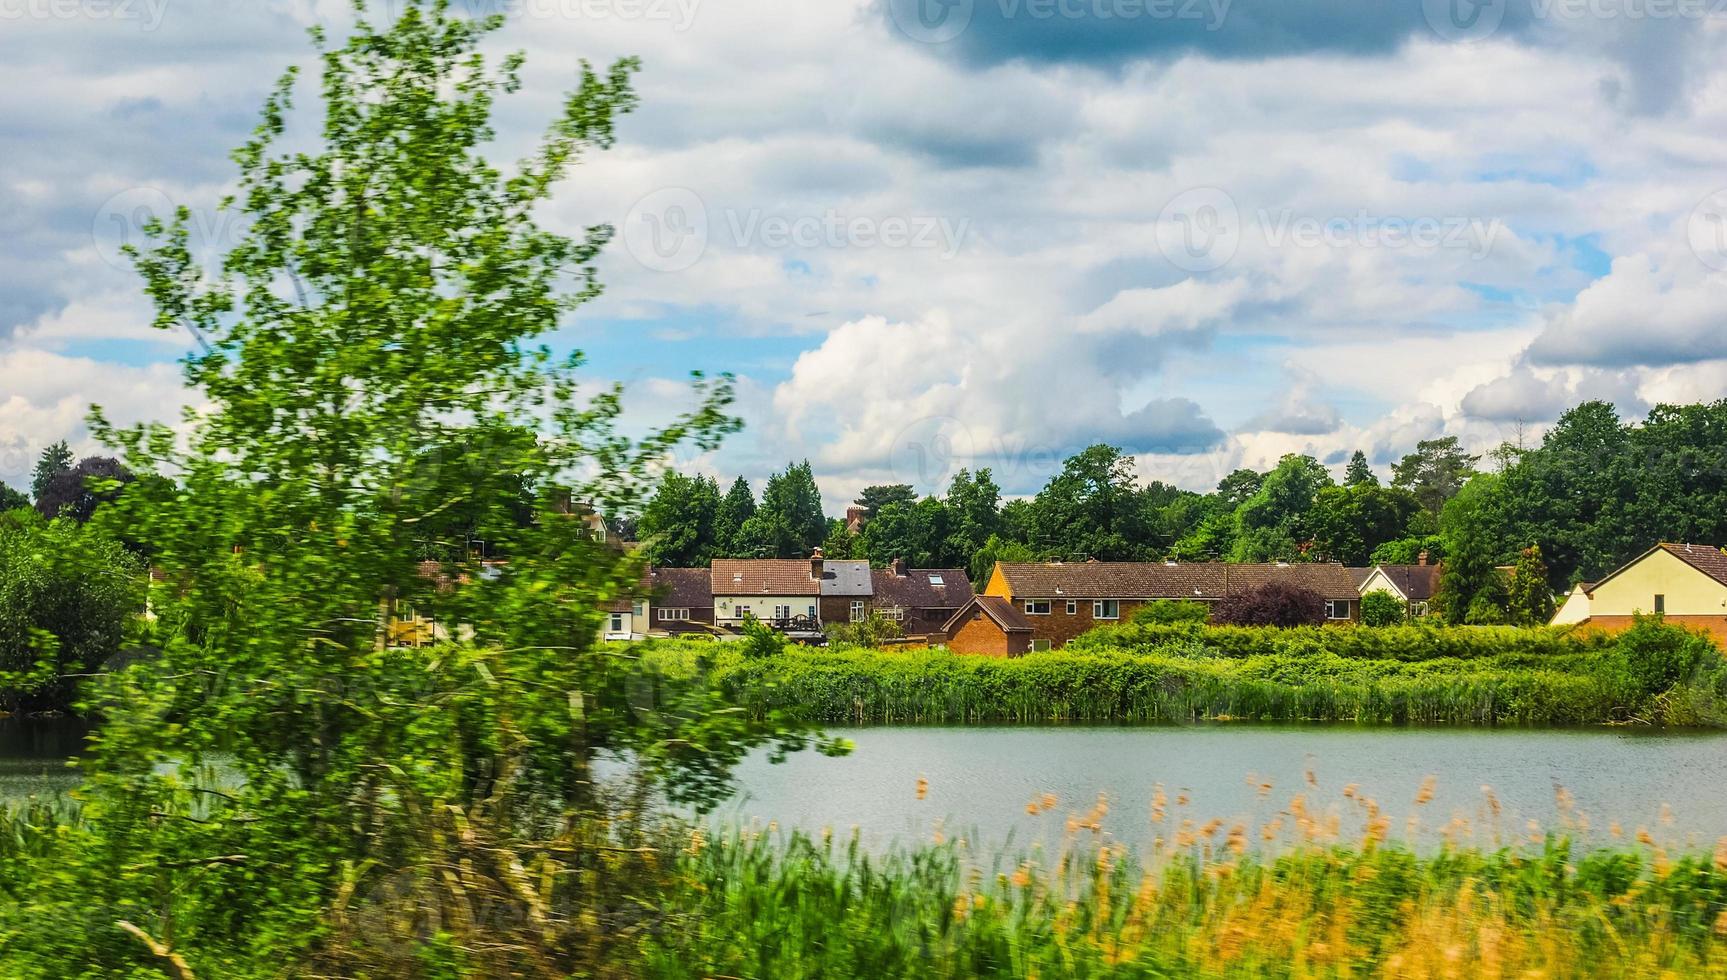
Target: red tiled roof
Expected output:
[763,576]
[915,590]
[1186,580]
[1007,615]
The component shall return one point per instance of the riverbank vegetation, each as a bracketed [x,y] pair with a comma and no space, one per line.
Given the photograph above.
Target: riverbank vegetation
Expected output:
[1653,674]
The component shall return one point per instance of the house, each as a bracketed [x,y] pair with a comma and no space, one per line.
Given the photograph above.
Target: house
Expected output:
[1062,600]
[785,592]
[1687,583]
[1413,585]
[680,600]
[989,626]
[1574,608]
[846,591]
[921,600]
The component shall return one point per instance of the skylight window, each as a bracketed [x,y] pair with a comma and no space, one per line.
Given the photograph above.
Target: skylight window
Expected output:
[935,580]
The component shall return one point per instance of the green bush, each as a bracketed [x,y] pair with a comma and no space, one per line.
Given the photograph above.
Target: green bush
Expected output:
[1163,612]
[1380,608]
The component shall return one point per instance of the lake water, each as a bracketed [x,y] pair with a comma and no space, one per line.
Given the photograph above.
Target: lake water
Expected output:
[978,780]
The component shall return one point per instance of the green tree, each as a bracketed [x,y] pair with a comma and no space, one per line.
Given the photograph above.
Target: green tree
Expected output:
[77,492]
[67,593]
[55,460]
[1275,522]
[874,499]
[840,542]
[677,525]
[1166,611]
[1530,602]
[790,515]
[1434,472]
[388,293]
[1089,509]
[1349,522]
[973,515]
[1358,473]
[11,499]
[1471,589]
[736,508]
[1235,488]
[997,549]
[918,533]
[1380,608]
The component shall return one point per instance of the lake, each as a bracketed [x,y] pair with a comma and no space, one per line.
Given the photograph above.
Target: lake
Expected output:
[979,780]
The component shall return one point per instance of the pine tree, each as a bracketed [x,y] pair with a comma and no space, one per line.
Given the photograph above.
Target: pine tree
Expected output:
[1359,474]
[55,460]
[736,508]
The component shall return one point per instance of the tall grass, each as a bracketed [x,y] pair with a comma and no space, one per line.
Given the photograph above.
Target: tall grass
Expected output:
[748,905]
[1654,673]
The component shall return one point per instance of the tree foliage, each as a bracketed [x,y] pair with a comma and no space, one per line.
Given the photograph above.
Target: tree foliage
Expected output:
[56,459]
[1271,604]
[1530,599]
[1381,608]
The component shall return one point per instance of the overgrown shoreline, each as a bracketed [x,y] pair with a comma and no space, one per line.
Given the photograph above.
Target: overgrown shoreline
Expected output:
[1654,674]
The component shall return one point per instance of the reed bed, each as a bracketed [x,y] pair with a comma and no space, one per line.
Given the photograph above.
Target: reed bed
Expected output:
[1284,898]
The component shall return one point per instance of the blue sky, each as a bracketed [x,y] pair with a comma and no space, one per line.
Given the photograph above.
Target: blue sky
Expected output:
[927,234]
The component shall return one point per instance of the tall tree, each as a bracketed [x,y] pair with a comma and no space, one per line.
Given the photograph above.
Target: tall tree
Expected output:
[78,491]
[55,460]
[1350,522]
[391,288]
[1471,589]
[677,525]
[1358,473]
[1089,508]
[11,499]
[1275,522]
[791,512]
[1435,471]
[1530,602]
[974,514]
[873,499]
[997,549]
[736,507]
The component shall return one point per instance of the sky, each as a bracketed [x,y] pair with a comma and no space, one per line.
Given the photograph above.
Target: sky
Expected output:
[934,234]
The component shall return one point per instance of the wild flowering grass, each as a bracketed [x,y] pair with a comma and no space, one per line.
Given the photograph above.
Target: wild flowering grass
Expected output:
[1287,897]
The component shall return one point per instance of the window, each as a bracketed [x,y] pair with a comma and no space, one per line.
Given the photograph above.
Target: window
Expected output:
[674,615]
[1337,609]
[935,580]
[617,622]
[811,613]
[741,612]
[1106,609]
[896,614]
[639,608]
[782,612]
[857,611]
[1660,603]
[1072,607]
[1037,645]
[1037,607]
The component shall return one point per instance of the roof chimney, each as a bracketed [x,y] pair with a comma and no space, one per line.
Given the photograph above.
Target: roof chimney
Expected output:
[816,564]
[1421,559]
[898,567]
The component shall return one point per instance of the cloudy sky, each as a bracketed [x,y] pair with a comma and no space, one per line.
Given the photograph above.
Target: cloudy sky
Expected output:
[927,234]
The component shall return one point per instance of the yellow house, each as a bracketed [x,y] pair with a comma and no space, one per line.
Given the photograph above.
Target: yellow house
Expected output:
[1686,583]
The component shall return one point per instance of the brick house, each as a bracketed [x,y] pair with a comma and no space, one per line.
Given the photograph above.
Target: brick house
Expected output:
[846,591]
[1061,600]
[989,626]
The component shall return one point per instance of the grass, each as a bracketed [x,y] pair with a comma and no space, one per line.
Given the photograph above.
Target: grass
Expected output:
[1206,900]
[1653,673]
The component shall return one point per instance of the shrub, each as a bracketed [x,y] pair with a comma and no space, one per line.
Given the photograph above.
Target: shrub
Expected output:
[872,631]
[1381,608]
[1169,611]
[1273,604]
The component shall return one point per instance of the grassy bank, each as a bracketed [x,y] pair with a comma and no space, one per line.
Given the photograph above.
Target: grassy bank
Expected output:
[1654,673]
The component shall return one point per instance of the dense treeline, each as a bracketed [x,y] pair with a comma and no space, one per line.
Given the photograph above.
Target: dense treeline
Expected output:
[1653,673]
